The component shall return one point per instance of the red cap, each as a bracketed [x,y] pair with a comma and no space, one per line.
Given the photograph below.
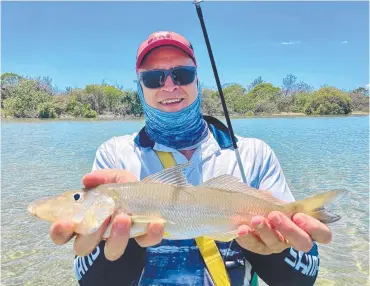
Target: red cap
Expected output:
[163,38]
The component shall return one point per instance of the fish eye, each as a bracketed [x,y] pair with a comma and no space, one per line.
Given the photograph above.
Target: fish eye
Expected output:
[77,196]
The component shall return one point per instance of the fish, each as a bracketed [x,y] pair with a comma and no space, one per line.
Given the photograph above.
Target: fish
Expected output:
[213,209]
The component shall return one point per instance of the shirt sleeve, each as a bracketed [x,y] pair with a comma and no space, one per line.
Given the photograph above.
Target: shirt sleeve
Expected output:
[290,267]
[270,175]
[94,268]
[104,157]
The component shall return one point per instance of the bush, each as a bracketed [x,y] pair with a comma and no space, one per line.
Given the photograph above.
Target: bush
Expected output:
[47,110]
[24,98]
[265,107]
[329,101]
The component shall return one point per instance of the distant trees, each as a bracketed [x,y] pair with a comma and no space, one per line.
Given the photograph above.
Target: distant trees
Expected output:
[36,97]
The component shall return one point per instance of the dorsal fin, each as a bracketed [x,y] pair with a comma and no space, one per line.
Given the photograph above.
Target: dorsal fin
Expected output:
[172,176]
[231,183]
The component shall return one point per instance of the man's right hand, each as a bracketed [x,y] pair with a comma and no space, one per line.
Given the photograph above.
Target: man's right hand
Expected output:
[62,231]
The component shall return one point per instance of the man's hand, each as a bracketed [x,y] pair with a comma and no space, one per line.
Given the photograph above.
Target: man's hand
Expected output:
[61,232]
[277,232]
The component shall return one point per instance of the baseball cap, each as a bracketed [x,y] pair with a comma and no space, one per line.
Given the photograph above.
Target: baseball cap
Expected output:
[163,38]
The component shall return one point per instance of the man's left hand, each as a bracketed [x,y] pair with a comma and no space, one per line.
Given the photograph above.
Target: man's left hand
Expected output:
[277,232]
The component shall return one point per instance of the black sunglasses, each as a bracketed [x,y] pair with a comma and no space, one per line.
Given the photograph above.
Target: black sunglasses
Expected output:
[180,76]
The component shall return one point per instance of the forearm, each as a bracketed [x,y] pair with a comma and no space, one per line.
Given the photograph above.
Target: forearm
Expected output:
[95,269]
[289,267]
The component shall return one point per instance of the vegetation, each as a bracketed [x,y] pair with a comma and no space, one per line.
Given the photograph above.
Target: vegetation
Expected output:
[37,98]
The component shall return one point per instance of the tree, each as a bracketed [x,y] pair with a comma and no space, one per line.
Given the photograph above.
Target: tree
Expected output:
[8,81]
[361,90]
[329,101]
[133,104]
[264,91]
[360,99]
[255,82]
[289,84]
[23,99]
[211,103]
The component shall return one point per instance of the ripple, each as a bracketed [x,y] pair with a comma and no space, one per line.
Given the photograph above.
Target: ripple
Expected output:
[44,158]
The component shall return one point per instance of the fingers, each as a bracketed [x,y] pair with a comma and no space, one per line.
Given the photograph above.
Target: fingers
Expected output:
[85,244]
[317,230]
[106,176]
[117,242]
[271,238]
[61,232]
[248,240]
[153,236]
[296,236]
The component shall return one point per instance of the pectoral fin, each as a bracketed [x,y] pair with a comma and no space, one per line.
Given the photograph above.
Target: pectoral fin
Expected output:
[148,219]
[223,236]
[90,220]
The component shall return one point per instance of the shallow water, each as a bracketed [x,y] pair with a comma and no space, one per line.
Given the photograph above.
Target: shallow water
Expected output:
[41,158]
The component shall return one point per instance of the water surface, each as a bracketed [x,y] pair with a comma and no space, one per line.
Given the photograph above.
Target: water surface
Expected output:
[41,158]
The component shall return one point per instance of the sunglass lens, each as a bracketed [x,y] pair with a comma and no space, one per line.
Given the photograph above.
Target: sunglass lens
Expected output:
[152,79]
[184,76]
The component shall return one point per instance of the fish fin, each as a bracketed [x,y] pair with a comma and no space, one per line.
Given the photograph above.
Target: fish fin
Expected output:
[89,220]
[223,236]
[108,230]
[232,184]
[172,176]
[149,219]
[315,206]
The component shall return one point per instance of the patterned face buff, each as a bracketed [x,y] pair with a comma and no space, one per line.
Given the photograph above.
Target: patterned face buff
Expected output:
[182,130]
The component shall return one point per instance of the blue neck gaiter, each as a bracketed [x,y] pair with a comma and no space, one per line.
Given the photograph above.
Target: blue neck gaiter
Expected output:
[181,130]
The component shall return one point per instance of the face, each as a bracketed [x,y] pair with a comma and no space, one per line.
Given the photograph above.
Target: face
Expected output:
[170,97]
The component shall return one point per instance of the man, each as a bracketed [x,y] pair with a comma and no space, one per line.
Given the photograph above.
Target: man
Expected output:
[169,90]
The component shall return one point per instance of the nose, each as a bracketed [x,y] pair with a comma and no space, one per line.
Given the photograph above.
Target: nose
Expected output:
[169,85]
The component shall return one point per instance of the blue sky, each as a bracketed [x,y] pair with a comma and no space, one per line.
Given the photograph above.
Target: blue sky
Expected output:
[79,43]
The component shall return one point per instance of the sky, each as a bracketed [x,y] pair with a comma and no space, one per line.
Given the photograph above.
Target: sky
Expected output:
[79,43]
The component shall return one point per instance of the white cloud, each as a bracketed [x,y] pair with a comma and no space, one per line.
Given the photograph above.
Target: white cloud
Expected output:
[368,86]
[290,43]
[344,42]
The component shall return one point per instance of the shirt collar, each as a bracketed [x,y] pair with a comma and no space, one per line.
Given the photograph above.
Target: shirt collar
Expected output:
[219,131]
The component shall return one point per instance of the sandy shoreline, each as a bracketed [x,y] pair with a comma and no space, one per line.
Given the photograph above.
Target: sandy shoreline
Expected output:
[133,118]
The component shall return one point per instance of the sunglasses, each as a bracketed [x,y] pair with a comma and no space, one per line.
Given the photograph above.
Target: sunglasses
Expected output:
[182,75]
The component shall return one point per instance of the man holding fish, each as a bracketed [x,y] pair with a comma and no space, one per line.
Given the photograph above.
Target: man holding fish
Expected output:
[280,248]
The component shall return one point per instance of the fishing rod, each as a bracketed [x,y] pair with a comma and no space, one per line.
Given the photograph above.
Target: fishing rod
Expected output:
[231,132]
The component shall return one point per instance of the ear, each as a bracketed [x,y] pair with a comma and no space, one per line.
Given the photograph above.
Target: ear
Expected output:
[90,218]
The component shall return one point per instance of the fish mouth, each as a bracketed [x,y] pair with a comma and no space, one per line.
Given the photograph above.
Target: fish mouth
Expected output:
[32,209]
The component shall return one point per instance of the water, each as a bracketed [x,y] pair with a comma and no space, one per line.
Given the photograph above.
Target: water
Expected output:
[41,158]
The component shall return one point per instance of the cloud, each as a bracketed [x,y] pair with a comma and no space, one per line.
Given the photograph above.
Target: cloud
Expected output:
[344,42]
[368,86]
[290,43]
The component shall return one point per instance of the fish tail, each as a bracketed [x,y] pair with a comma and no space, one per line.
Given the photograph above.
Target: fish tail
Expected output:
[315,206]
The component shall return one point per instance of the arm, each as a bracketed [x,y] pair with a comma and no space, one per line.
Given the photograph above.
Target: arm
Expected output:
[119,260]
[272,258]
[288,268]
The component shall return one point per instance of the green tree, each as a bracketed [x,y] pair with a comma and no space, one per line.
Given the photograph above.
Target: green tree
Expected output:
[255,82]
[24,98]
[132,103]
[211,103]
[264,92]
[329,101]
[8,81]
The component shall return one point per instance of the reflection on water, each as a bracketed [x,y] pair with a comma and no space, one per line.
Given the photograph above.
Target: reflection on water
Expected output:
[41,158]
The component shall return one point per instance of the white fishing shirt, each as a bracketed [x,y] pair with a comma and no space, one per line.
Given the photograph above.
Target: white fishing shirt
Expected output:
[179,262]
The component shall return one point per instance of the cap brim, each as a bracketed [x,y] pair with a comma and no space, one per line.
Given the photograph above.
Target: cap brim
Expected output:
[163,42]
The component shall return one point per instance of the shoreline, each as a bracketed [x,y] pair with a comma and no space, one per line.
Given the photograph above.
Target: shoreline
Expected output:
[108,117]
